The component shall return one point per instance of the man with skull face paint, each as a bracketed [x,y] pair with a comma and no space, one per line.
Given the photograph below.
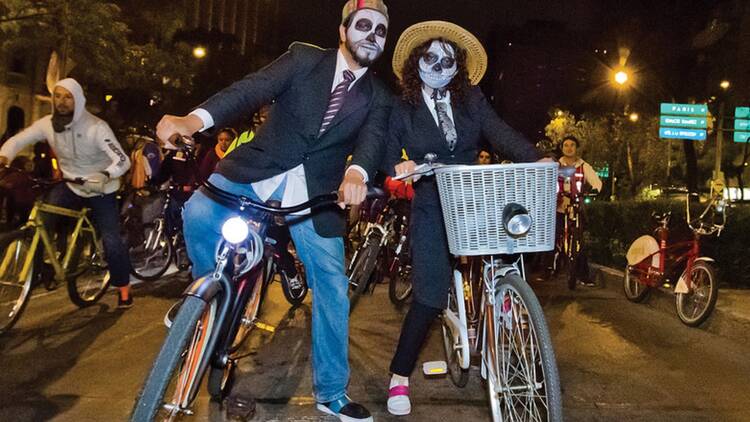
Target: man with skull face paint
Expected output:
[326,106]
[442,111]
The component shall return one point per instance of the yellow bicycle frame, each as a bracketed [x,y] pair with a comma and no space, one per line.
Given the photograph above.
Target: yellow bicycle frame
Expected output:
[36,223]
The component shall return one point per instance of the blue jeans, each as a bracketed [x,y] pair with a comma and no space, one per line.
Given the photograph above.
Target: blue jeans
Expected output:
[323,259]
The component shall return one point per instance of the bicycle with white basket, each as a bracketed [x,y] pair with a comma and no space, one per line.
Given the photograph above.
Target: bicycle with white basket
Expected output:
[497,211]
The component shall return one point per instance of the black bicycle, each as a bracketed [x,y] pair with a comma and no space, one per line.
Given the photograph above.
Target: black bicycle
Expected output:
[205,331]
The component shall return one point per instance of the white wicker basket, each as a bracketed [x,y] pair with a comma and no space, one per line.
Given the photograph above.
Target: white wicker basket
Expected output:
[473,199]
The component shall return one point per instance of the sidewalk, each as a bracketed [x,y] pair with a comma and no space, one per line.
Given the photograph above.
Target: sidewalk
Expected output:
[730,318]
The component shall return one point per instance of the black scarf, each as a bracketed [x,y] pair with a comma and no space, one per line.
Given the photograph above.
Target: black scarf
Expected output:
[59,121]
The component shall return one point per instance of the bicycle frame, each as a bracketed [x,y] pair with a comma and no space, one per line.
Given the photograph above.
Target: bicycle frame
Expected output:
[654,276]
[36,223]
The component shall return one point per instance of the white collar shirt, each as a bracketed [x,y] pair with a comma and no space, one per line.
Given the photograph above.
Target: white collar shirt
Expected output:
[431,104]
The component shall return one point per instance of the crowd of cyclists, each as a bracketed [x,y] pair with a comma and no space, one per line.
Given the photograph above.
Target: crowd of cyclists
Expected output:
[274,161]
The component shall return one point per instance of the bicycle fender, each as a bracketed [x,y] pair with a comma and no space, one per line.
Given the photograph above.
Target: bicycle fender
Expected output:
[705,259]
[205,287]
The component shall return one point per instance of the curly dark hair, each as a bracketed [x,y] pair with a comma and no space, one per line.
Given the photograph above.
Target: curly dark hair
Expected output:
[411,84]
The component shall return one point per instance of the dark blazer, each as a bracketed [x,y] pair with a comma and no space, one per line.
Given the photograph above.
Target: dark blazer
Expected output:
[414,129]
[299,82]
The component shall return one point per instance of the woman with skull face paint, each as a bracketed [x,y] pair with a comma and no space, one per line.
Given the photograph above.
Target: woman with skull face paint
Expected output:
[442,111]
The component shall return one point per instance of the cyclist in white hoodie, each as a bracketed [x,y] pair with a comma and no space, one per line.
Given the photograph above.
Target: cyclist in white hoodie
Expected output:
[86,148]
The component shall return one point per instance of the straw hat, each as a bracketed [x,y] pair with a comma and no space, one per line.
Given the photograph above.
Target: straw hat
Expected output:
[413,36]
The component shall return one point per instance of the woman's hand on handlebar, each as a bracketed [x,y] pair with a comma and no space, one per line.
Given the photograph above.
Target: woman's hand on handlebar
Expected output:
[407,167]
[170,127]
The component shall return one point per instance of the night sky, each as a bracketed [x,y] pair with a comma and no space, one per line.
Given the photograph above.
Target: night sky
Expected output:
[543,54]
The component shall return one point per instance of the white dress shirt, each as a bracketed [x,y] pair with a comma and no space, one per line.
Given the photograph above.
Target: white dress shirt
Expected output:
[295,191]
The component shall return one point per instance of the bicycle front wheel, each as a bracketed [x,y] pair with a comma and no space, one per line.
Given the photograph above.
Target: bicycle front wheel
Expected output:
[89,278]
[174,379]
[14,287]
[696,306]
[522,378]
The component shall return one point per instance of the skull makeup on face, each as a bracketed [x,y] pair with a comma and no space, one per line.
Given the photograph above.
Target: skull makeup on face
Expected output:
[438,66]
[365,36]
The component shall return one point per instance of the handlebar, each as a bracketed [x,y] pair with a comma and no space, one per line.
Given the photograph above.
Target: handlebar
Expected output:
[240,202]
[716,205]
[38,181]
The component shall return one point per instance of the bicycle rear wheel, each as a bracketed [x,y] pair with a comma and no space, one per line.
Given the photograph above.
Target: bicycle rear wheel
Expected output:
[635,290]
[150,259]
[696,306]
[522,378]
[89,279]
[14,290]
[175,377]
[364,265]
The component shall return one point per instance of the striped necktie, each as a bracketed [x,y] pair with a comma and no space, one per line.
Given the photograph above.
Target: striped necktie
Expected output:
[337,100]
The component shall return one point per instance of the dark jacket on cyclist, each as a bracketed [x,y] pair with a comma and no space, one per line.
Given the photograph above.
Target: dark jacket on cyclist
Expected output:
[415,129]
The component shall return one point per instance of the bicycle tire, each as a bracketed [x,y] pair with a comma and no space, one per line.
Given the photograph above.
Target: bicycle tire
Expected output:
[703,288]
[14,293]
[573,247]
[91,278]
[635,291]
[519,323]
[359,279]
[459,376]
[399,284]
[184,337]
[159,247]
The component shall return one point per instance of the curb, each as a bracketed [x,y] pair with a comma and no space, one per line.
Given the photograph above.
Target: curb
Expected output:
[727,319]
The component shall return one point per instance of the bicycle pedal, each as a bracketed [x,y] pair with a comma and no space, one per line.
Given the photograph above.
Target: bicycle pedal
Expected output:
[265,327]
[435,367]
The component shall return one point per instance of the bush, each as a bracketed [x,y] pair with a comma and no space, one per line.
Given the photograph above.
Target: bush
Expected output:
[612,226]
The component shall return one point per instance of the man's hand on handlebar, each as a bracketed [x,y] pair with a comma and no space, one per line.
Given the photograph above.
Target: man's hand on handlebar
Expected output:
[353,189]
[170,127]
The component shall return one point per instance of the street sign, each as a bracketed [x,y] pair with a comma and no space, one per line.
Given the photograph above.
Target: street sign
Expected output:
[743,137]
[676,133]
[742,125]
[603,172]
[684,109]
[742,112]
[679,121]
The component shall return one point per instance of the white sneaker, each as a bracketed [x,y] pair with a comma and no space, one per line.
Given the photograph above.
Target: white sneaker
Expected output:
[398,400]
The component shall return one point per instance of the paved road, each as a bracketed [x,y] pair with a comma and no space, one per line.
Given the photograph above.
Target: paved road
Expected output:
[618,361]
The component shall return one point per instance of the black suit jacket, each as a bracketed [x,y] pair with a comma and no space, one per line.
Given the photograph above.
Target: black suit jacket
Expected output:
[299,82]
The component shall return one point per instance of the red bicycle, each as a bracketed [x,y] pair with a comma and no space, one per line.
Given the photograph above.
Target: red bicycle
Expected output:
[653,263]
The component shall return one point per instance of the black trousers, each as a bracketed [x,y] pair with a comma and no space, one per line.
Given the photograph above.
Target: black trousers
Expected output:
[413,333]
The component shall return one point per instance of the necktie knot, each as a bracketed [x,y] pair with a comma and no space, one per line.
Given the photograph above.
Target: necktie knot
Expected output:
[349,76]
[439,94]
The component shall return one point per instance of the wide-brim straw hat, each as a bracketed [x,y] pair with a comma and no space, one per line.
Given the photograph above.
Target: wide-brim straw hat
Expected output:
[415,35]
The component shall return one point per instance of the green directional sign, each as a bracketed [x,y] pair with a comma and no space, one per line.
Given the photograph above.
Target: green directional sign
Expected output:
[603,172]
[742,112]
[742,137]
[683,121]
[675,109]
[740,124]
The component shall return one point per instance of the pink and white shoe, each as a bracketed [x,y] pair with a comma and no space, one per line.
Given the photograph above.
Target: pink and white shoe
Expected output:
[398,400]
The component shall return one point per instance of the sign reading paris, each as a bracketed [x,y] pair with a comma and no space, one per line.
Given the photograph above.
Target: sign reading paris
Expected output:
[675,109]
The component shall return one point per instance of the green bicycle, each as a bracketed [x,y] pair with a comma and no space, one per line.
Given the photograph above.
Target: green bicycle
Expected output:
[81,266]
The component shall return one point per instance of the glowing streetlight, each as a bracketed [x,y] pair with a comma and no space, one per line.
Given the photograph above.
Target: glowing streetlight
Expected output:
[559,113]
[725,84]
[633,117]
[621,77]
[199,52]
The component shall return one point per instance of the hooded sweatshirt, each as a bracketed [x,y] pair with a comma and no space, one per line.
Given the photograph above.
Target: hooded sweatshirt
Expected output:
[86,146]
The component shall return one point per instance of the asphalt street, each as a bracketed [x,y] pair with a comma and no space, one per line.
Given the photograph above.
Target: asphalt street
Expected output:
[618,361]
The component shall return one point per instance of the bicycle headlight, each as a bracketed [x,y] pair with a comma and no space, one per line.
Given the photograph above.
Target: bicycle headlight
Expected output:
[516,220]
[235,230]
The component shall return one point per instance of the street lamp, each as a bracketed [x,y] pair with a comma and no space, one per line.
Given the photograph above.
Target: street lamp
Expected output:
[199,52]
[621,77]
[725,84]
[633,117]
